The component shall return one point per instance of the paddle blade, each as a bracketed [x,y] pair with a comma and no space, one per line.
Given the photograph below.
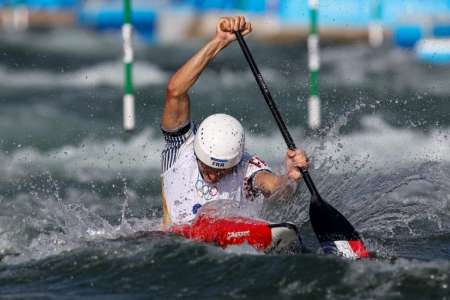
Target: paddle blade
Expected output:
[335,233]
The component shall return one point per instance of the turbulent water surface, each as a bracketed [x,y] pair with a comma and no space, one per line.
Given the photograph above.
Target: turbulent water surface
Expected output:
[73,185]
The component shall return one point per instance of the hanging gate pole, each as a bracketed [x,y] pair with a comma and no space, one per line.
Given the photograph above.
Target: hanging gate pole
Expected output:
[314,66]
[376,34]
[128,97]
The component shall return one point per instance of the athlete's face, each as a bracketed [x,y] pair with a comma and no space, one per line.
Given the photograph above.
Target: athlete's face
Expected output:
[212,175]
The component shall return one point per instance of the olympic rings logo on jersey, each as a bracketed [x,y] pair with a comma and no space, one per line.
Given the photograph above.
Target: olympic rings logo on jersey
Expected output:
[205,191]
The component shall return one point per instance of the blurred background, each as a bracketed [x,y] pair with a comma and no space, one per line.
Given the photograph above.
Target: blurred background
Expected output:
[405,22]
[71,177]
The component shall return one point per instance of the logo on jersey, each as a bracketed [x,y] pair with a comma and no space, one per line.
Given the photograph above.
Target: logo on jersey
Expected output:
[195,208]
[204,190]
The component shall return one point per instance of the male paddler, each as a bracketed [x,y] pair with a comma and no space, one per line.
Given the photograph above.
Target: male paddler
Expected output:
[203,164]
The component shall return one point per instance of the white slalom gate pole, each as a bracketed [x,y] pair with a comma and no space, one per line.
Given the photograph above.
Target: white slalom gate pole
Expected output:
[314,66]
[375,26]
[128,97]
[16,18]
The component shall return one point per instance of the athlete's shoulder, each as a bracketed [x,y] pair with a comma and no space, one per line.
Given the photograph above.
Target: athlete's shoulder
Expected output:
[254,160]
[252,164]
[179,143]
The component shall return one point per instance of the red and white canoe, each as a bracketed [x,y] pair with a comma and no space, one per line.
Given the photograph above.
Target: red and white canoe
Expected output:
[231,231]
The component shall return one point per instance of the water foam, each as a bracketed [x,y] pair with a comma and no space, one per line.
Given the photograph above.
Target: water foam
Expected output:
[73,41]
[107,73]
[90,160]
[383,69]
[39,224]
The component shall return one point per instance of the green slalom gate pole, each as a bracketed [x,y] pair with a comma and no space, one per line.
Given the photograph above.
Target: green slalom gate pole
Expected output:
[128,97]
[314,66]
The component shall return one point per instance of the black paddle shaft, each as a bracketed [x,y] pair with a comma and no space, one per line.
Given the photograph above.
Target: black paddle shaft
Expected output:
[328,223]
[273,108]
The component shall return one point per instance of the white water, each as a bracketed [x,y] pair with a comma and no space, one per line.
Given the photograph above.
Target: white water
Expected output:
[110,73]
[377,146]
[36,225]
[353,65]
[396,194]
[107,73]
[70,41]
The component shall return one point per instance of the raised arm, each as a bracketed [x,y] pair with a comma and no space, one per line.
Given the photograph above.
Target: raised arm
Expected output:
[176,111]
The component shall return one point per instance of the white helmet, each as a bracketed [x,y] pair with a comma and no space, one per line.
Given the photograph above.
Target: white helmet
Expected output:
[219,141]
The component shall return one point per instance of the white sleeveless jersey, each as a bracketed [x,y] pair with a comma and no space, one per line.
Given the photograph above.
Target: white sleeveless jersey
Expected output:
[184,190]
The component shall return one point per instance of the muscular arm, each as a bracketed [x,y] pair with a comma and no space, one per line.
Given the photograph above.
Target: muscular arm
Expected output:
[176,107]
[270,183]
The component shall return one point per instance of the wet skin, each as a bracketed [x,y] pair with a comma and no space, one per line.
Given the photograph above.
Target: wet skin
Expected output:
[212,175]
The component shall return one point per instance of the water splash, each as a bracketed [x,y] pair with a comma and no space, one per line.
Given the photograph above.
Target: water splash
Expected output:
[102,74]
[45,222]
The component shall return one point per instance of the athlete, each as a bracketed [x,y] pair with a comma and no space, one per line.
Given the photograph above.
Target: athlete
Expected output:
[203,164]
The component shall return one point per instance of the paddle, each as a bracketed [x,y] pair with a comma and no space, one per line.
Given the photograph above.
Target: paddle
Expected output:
[335,233]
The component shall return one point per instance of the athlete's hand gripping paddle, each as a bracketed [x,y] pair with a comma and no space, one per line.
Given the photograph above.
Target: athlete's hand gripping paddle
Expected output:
[335,233]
